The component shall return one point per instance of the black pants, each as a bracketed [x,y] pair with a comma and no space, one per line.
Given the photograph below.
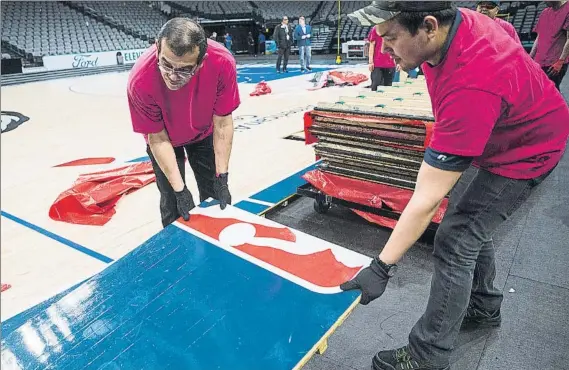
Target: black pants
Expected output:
[201,157]
[283,52]
[464,259]
[558,77]
[381,77]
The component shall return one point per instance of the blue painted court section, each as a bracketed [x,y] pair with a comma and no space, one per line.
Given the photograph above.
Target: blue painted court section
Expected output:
[58,238]
[178,302]
[280,190]
[20,319]
[251,207]
[258,74]
[283,189]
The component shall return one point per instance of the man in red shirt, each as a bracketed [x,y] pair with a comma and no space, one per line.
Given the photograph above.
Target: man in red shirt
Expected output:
[491,8]
[551,47]
[381,65]
[500,128]
[181,94]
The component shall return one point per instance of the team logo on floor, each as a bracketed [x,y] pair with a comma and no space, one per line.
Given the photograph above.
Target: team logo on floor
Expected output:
[305,260]
[12,120]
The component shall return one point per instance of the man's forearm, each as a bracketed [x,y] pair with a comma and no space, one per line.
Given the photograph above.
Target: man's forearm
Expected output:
[411,225]
[565,51]
[165,156]
[222,142]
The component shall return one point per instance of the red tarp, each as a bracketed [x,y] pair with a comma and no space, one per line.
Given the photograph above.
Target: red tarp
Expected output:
[367,193]
[338,78]
[261,89]
[87,162]
[92,198]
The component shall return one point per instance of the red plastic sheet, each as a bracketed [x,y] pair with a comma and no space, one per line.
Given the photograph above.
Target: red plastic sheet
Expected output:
[339,78]
[92,198]
[87,162]
[261,89]
[347,78]
[367,193]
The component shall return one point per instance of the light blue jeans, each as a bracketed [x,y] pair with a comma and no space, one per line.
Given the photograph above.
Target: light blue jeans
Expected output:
[305,54]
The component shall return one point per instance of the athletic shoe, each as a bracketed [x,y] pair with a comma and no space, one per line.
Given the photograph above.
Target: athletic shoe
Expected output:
[400,359]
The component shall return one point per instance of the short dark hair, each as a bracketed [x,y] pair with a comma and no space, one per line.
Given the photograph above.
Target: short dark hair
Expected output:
[413,21]
[182,35]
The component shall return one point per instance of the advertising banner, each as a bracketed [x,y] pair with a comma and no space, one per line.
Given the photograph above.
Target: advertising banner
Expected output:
[92,60]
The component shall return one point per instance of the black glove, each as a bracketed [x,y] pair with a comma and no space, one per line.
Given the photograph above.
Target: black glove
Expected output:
[221,190]
[371,281]
[184,202]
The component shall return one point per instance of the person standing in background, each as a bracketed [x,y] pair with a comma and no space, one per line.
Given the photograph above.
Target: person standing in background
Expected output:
[283,39]
[551,47]
[228,42]
[261,46]
[251,44]
[491,9]
[381,66]
[302,34]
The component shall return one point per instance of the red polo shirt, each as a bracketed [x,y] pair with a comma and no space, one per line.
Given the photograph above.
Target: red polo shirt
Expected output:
[508,28]
[187,113]
[491,101]
[380,60]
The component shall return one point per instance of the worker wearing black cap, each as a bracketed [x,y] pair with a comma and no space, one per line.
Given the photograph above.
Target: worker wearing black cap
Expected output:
[500,129]
[491,9]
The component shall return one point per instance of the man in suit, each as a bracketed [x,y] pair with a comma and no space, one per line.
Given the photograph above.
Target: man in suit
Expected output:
[302,34]
[283,39]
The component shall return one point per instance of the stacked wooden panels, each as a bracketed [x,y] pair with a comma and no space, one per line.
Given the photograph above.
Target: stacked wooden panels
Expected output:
[375,136]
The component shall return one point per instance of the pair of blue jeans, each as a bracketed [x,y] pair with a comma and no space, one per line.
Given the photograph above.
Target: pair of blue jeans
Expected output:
[305,55]
[464,264]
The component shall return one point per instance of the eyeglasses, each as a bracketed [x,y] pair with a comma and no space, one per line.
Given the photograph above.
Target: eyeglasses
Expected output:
[184,73]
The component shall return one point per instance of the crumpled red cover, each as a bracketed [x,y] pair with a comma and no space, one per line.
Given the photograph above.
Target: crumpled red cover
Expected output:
[367,193]
[92,198]
[261,89]
[347,77]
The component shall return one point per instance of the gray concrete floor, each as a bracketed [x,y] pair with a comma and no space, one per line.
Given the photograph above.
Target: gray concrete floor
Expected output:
[532,258]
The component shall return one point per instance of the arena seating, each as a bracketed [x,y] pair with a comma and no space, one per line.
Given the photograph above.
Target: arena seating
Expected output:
[137,17]
[43,28]
[275,10]
[35,29]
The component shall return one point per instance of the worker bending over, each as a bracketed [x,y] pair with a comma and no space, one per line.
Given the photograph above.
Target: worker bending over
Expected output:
[500,128]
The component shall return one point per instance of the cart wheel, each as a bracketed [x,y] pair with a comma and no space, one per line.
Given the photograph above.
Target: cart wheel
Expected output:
[321,206]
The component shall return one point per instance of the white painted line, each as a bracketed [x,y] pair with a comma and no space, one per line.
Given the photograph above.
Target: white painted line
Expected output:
[259,202]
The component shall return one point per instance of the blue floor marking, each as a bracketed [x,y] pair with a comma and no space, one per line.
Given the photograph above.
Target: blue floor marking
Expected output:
[179,302]
[284,188]
[57,238]
[258,74]
[139,159]
[251,207]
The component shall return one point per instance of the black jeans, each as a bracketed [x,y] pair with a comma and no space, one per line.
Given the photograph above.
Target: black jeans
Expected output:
[381,77]
[558,77]
[464,259]
[201,157]
[283,52]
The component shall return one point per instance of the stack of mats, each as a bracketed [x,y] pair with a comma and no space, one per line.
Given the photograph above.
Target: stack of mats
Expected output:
[371,145]
[374,136]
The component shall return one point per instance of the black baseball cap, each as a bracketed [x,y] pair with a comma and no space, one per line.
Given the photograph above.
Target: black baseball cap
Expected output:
[382,11]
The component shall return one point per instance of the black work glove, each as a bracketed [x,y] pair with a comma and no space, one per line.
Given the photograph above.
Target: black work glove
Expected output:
[371,281]
[221,190]
[184,202]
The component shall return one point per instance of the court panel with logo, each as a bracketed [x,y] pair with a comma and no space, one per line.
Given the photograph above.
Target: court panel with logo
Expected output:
[179,301]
